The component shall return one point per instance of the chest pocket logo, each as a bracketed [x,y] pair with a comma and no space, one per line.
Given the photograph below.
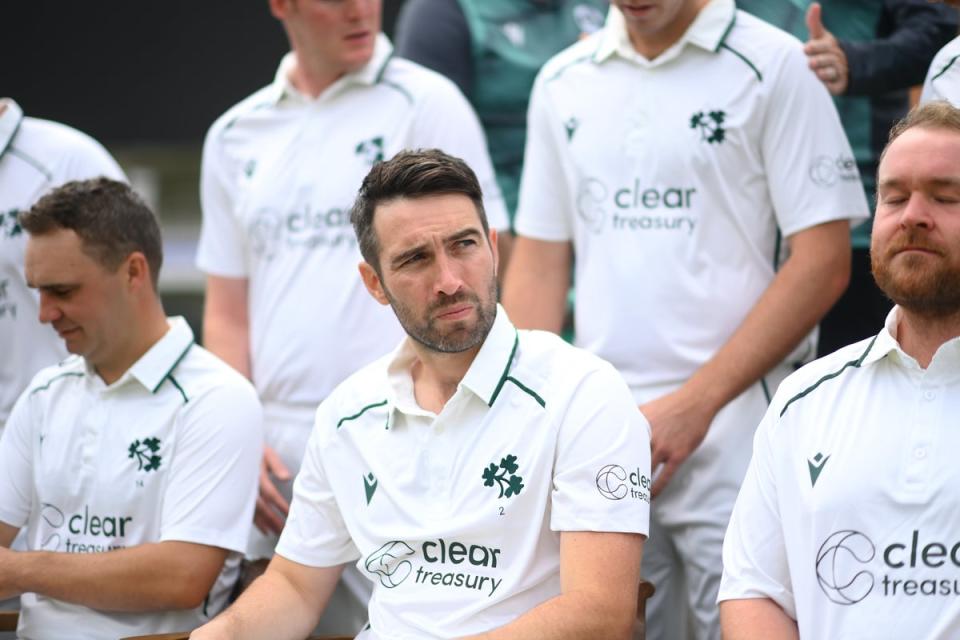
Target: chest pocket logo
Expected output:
[146,454]
[509,486]
[710,125]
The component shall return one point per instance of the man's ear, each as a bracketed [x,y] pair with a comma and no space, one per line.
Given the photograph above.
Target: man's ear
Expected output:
[136,271]
[372,282]
[278,8]
[492,235]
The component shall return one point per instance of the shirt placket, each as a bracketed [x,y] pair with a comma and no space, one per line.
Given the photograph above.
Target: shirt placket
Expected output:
[94,420]
[921,454]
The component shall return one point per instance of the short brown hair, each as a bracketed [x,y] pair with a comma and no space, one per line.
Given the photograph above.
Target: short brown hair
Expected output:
[410,174]
[107,215]
[938,114]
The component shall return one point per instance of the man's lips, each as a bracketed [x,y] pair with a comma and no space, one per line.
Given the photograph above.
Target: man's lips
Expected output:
[456,312]
[358,36]
[916,249]
[637,9]
[63,333]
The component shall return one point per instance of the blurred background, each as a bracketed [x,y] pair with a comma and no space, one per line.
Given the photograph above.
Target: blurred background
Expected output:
[146,79]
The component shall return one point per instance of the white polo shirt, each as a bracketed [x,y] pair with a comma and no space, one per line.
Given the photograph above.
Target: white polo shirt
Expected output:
[943,77]
[677,187]
[280,174]
[170,451]
[455,517]
[35,156]
[849,517]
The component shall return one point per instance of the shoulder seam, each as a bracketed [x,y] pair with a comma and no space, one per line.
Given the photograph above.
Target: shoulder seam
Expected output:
[33,162]
[399,88]
[945,67]
[852,363]
[65,374]
[724,45]
[533,394]
[361,412]
[256,107]
[575,61]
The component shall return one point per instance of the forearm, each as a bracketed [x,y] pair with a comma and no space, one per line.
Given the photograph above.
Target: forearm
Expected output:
[599,582]
[270,608]
[570,616]
[284,603]
[226,322]
[756,619]
[148,577]
[535,291]
[802,291]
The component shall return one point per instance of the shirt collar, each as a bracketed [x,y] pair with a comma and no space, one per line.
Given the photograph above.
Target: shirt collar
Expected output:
[10,121]
[707,31]
[368,75]
[886,342]
[484,378]
[160,360]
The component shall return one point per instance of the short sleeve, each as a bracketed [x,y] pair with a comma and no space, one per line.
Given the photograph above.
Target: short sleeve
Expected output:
[811,171]
[212,486]
[943,77]
[447,122]
[754,549]
[602,470]
[315,533]
[544,209]
[222,246]
[16,465]
[89,160]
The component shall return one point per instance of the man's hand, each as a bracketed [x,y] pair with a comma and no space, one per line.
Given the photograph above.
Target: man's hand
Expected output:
[272,507]
[678,424]
[825,54]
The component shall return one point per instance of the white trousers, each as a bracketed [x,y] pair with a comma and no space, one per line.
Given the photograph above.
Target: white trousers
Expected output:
[682,556]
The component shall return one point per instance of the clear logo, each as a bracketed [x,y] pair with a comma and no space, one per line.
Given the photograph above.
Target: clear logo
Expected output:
[389,565]
[840,567]
[825,170]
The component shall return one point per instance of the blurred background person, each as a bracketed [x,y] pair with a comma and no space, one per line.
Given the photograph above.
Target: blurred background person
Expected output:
[35,156]
[285,305]
[868,55]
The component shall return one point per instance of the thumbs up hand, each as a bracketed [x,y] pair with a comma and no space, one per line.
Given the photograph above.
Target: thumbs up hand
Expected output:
[824,53]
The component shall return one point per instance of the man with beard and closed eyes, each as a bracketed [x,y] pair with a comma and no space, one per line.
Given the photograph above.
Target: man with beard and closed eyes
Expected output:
[489,482]
[848,518]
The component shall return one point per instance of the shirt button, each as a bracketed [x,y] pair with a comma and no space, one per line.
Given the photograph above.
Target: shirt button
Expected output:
[439,429]
[919,453]
[929,395]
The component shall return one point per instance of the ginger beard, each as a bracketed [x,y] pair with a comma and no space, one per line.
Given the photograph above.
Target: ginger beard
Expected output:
[927,284]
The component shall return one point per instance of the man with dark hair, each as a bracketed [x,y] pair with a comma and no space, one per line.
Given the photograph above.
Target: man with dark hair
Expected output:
[489,482]
[847,522]
[284,304]
[141,444]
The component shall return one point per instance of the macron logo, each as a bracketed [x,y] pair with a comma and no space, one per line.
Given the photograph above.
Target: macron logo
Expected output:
[816,465]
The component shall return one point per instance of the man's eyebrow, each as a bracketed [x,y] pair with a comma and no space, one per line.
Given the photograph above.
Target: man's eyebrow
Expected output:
[898,183]
[409,253]
[468,232]
[464,233]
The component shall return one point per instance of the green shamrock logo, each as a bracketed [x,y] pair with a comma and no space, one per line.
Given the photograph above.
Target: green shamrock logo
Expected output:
[710,125]
[146,454]
[494,474]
